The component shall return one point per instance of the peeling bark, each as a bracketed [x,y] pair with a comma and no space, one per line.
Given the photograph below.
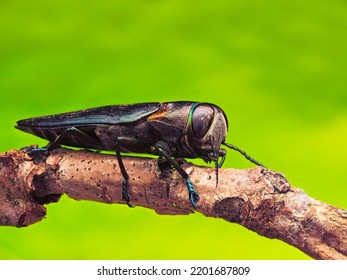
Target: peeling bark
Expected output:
[259,199]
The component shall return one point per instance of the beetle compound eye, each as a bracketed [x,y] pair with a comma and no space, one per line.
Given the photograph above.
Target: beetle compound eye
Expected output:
[202,119]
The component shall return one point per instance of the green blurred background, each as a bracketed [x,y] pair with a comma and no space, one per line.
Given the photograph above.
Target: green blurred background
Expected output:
[277,68]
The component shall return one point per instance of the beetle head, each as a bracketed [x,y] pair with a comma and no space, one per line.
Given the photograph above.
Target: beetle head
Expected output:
[206,131]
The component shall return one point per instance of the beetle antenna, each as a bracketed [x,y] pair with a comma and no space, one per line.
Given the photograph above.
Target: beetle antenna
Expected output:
[243,153]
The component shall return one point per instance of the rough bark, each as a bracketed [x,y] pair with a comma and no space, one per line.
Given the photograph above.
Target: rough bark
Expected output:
[259,199]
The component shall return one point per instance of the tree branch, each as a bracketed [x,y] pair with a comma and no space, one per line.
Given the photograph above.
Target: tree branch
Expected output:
[259,199]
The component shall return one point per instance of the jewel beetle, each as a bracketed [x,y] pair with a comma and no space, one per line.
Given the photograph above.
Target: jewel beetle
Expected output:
[168,129]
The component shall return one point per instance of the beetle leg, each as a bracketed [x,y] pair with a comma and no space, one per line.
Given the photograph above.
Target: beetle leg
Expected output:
[59,139]
[222,161]
[68,132]
[32,150]
[125,195]
[163,150]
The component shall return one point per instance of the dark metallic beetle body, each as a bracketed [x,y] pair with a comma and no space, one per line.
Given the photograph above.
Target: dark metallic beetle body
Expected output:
[172,129]
[134,128]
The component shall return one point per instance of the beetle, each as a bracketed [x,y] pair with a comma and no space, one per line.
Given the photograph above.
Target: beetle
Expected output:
[182,129]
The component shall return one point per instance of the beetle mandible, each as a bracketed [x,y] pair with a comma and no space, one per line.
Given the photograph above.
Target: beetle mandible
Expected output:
[168,129]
